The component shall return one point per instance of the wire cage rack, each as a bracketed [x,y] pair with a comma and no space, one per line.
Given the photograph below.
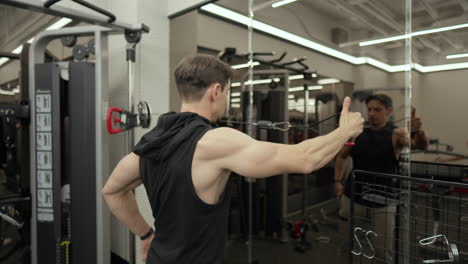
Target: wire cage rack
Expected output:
[417,219]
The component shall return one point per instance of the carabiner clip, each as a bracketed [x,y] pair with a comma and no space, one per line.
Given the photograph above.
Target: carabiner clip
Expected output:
[358,242]
[370,244]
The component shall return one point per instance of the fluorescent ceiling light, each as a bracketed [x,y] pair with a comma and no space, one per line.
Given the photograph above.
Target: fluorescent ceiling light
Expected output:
[17,50]
[287,36]
[236,94]
[328,81]
[296,89]
[417,33]
[378,41]
[3,60]
[442,67]
[245,65]
[235,105]
[310,88]
[315,87]
[300,76]
[456,56]
[235,100]
[31,40]
[237,84]
[291,96]
[281,3]
[296,77]
[59,24]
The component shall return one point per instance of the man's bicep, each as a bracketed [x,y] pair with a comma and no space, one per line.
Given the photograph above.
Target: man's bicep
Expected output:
[126,175]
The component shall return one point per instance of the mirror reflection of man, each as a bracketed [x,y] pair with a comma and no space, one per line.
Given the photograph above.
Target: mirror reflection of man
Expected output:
[377,149]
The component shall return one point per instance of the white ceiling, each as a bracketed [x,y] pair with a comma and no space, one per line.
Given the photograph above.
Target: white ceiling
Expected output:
[360,20]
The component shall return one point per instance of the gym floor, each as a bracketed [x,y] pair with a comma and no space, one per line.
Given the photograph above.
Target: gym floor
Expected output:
[275,252]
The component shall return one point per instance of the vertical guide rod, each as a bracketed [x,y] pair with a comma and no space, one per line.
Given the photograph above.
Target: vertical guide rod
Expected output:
[250,121]
[306,133]
[406,151]
[130,135]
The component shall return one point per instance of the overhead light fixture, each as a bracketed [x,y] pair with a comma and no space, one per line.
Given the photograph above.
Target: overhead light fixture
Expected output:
[3,60]
[235,100]
[413,34]
[328,81]
[235,94]
[296,77]
[315,87]
[17,50]
[301,88]
[291,96]
[245,65]
[31,40]
[287,36]
[441,67]
[281,3]
[59,24]
[300,76]
[296,89]
[237,84]
[456,56]
[235,105]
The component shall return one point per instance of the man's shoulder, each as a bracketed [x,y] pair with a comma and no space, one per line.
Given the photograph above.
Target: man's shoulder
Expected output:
[220,141]
[221,133]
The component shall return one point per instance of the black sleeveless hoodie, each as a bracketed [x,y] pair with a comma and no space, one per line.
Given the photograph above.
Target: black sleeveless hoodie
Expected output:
[373,152]
[187,230]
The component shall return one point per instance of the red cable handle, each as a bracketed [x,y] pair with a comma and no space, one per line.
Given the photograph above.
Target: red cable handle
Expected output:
[116,120]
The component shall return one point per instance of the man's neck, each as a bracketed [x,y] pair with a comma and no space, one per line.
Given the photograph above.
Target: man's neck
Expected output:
[379,127]
[198,109]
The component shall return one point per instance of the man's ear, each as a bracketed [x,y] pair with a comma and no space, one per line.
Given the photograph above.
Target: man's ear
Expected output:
[214,90]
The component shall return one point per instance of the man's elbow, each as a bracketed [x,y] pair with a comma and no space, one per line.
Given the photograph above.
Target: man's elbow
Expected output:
[310,165]
[105,193]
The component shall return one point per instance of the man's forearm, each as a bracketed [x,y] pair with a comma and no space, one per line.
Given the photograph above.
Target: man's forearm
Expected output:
[339,169]
[322,150]
[420,140]
[125,208]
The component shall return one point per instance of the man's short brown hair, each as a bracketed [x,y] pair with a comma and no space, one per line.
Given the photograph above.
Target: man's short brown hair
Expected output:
[195,74]
[384,99]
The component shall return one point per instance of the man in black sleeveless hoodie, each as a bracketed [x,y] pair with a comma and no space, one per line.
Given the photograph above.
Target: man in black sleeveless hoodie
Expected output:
[184,164]
[377,149]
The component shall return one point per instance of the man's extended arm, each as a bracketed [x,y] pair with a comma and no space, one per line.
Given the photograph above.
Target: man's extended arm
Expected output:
[231,150]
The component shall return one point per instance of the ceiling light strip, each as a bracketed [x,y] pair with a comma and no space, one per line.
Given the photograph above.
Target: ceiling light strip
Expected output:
[456,56]
[282,3]
[417,33]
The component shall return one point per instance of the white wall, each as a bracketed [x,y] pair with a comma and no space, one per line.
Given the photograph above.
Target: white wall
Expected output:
[443,99]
